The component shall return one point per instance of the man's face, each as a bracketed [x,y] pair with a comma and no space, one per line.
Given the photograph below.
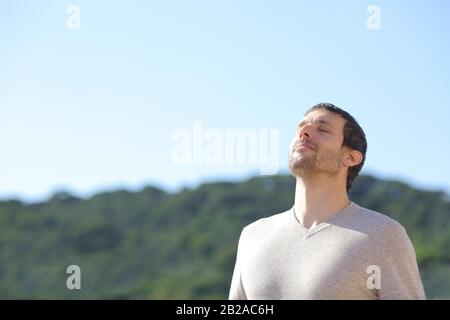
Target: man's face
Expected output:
[317,145]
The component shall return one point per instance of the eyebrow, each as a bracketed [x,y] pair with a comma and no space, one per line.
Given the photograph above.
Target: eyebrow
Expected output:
[321,121]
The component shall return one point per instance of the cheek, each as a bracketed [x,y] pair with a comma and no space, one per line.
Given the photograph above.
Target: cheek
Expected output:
[330,142]
[329,149]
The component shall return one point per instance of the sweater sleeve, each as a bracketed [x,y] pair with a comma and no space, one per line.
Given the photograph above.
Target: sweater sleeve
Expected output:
[237,291]
[400,277]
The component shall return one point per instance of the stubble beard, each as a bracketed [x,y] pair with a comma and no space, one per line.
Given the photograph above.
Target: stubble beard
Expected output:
[314,165]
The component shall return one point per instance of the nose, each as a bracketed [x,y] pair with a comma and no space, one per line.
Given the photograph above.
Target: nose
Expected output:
[304,131]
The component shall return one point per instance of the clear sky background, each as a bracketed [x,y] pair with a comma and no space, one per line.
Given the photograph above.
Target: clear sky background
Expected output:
[95,108]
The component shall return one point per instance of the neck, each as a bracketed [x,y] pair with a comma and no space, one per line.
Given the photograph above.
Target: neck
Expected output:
[318,198]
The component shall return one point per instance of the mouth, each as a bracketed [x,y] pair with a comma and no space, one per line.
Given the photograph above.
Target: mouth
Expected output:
[304,146]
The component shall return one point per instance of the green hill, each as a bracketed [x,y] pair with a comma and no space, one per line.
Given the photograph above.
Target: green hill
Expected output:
[156,245]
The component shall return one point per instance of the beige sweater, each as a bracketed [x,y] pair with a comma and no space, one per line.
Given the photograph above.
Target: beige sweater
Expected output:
[355,254]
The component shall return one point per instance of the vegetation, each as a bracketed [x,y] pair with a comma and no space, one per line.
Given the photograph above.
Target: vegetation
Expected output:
[156,245]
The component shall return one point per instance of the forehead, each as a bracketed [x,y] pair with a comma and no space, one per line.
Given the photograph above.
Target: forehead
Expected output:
[326,117]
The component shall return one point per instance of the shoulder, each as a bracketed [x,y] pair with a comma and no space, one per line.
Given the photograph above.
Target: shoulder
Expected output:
[376,224]
[265,226]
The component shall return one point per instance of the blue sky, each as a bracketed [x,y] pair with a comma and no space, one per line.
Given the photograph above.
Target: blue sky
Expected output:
[95,108]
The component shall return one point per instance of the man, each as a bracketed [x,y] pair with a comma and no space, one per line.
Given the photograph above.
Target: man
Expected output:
[326,246]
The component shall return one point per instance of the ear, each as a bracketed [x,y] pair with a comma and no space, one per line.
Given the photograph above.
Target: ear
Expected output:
[352,158]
